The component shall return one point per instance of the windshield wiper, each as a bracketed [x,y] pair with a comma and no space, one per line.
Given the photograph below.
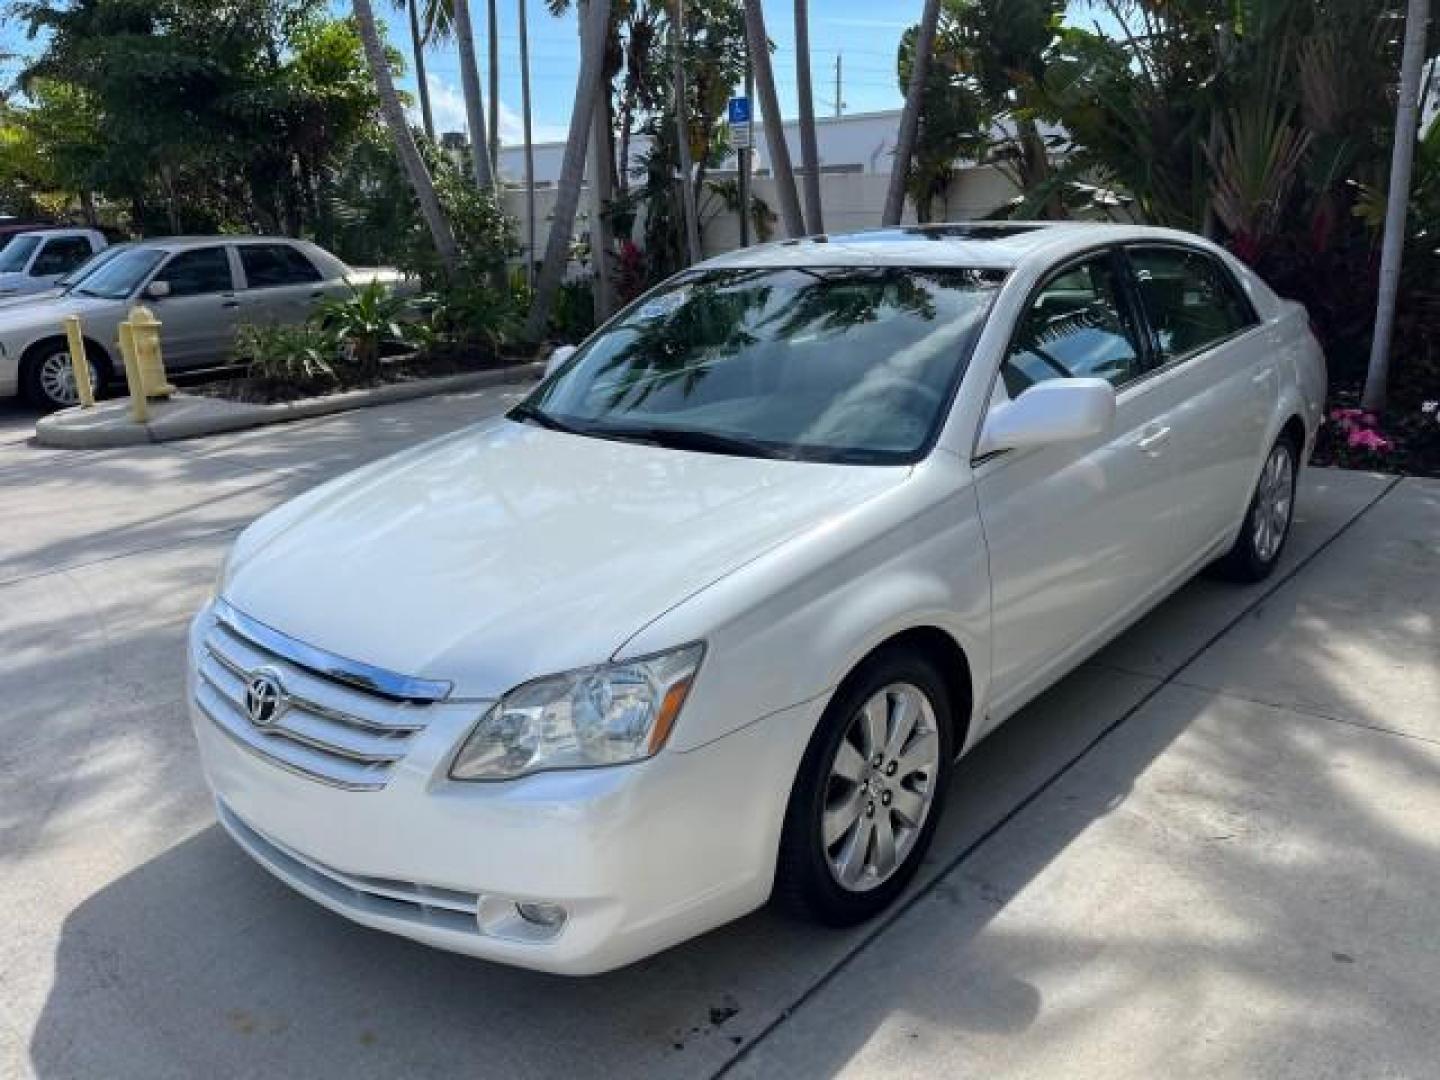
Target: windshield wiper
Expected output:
[527,411]
[707,442]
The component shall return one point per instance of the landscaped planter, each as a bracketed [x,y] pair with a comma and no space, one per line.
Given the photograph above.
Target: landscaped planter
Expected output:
[185,416]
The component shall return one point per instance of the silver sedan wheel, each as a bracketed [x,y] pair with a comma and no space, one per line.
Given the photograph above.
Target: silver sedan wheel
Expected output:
[57,378]
[1273,501]
[881,787]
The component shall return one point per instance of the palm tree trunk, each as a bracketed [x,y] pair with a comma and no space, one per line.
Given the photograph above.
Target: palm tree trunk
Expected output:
[417,46]
[682,135]
[493,29]
[572,170]
[1402,159]
[470,86]
[758,44]
[529,147]
[809,152]
[601,193]
[910,116]
[394,115]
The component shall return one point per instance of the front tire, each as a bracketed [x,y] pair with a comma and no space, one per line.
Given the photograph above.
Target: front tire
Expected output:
[869,793]
[1267,522]
[47,379]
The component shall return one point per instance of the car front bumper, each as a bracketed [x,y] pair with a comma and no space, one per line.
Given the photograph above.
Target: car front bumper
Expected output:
[640,856]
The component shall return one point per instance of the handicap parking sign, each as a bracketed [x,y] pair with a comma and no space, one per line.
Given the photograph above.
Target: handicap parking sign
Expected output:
[739,110]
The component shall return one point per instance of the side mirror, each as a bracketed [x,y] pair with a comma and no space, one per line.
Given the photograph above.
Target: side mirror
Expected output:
[157,290]
[558,358]
[1055,411]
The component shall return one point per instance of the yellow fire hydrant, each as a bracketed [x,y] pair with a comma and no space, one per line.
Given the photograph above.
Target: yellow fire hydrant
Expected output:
[144,361]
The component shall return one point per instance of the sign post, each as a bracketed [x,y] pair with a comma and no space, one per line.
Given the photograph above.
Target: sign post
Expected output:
[742,139]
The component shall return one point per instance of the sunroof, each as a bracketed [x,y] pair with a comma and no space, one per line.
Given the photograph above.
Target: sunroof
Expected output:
[972,230]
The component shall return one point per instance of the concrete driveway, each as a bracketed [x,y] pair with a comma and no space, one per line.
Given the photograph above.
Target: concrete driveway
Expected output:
[1213,851]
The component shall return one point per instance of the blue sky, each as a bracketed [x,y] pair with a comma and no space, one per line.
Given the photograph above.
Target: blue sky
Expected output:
[865,32]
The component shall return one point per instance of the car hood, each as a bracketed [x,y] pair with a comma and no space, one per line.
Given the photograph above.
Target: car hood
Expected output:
[9,300]
[32,312]
[506,551]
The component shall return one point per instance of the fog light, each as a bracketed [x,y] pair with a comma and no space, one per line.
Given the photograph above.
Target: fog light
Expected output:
[550,916]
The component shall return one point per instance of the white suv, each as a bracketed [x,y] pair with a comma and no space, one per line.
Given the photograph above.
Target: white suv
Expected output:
[706,619]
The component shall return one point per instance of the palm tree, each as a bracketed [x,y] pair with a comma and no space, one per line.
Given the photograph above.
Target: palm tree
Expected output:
[910,117]
[417,49]
[394,115]
[493,27]
[682,133]
[1393,243]
[759,47]
[470,86]
[809,152]
[529,146]
[601,192]
[588,89]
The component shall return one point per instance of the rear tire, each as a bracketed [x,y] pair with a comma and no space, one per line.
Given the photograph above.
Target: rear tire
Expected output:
[870,790]
[47,380]
[1267,522]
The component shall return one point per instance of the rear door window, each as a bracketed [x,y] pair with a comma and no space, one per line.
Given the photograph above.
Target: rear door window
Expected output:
[1191,301]
[268,266]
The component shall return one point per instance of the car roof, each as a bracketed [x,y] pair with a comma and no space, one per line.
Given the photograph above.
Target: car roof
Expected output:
[1002,245]
[184,243]
[57,231]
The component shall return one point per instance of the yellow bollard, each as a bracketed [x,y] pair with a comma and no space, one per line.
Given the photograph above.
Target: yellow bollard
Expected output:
[148,355]
[139,407]
[79,363]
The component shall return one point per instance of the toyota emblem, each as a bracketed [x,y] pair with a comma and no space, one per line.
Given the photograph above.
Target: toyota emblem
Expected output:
[264,698]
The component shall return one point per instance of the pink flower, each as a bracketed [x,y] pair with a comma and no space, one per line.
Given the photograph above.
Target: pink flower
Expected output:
[1368,440]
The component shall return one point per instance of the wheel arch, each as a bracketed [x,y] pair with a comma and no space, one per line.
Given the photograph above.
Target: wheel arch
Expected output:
[940,648]
[93,349]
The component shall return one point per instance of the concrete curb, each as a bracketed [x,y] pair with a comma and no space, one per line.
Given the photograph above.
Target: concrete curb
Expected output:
[186,416]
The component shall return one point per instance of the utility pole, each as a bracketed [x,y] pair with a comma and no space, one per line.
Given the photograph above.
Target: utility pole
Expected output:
[839,82]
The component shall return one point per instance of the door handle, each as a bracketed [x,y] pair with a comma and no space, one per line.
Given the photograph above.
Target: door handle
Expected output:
[1151,443]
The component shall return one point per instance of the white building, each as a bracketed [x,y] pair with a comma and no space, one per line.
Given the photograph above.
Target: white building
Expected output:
[854,143]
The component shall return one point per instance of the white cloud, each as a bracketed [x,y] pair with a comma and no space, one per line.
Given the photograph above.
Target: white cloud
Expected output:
[447,103]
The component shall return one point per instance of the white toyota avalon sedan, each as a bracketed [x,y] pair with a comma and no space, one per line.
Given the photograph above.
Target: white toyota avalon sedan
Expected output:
[706,619]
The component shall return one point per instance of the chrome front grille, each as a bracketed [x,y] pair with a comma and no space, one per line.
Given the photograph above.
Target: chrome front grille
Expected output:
[322,729]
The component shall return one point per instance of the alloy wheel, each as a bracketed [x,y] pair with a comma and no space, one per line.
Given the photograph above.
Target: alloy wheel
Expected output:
[1273,502]
[881,786]
[56,377]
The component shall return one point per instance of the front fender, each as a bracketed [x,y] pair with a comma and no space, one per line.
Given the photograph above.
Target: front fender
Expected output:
[790,626]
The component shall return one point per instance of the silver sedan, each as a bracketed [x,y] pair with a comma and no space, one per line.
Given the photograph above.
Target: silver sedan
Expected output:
[201,289]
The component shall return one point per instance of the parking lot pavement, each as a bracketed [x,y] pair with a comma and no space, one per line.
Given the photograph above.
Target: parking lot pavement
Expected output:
[1207,852]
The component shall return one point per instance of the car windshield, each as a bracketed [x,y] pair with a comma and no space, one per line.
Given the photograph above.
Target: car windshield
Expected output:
[122,275]
[16,254]
[89,266]
[852,364]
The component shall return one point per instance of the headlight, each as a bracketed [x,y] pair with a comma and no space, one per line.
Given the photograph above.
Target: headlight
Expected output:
[595,716]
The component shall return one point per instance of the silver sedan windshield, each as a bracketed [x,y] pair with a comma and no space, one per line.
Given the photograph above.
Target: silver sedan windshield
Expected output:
[122,275]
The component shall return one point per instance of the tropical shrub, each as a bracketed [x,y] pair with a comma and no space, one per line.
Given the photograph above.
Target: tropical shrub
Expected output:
[362,322]
[289,359]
